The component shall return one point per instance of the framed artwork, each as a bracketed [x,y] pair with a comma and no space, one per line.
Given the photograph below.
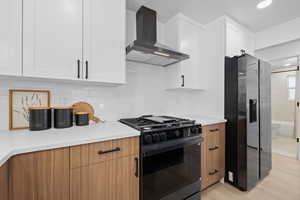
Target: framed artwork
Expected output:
[20,101]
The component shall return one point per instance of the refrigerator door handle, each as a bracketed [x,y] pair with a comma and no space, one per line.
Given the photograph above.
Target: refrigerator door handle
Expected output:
[253,110]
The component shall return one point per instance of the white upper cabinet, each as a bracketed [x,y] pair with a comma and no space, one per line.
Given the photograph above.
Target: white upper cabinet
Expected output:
[52,40]
[75,40]
[238,38]
[185,35]
[10,37]
[104,40]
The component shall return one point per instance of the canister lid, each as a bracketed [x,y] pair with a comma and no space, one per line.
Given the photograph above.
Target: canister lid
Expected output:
[39,108]
[63,108]
[82,113]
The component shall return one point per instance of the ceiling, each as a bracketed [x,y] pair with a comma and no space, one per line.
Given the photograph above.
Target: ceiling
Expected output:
[243,11]
[284,63]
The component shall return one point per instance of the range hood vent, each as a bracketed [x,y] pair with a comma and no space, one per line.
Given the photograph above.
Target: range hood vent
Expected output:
[145,48]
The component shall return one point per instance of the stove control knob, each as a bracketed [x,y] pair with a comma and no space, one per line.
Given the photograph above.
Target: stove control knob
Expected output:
[177,133]
[155,137]
[187,132]
[147,139]
[163,136]
[194,130]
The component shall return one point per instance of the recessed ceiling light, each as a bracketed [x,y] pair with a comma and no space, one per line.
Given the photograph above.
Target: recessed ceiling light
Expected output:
[287,65]
[263,4]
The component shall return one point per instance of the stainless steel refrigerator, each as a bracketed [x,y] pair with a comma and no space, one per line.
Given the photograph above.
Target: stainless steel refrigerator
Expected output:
[248,129]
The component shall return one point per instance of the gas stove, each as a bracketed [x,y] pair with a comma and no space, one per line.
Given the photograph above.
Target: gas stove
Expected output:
[150,122]
[156,129]
[169,157]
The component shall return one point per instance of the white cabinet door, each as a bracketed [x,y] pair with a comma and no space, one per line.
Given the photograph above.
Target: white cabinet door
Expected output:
[190,36]
[185,36]
[10,37]
[52,40]
[238,39]
[104,40]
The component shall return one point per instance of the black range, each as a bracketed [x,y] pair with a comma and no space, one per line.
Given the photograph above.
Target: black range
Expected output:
[170,157]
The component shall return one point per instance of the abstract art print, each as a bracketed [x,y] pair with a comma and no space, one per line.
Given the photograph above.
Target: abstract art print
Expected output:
[20,101]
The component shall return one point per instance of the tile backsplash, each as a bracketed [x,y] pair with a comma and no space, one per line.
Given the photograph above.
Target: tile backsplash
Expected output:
[144,93]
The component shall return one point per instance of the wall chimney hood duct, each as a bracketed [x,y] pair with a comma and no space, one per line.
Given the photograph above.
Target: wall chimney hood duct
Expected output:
[145,48]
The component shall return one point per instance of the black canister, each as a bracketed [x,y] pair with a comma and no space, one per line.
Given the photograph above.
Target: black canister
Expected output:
[63,117]
[39,118]
[82,119]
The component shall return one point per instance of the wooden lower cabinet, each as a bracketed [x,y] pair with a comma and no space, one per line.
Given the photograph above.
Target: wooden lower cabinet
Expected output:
[111,175]
[40,176]
[213,155]
[100,171]
[4,182]
[108,180]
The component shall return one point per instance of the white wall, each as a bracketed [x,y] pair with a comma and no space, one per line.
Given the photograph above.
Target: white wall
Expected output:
[282,33]
[140,96]
[282,108]
[285,50]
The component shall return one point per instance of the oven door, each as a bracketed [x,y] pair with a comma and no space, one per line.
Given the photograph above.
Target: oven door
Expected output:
[171,171]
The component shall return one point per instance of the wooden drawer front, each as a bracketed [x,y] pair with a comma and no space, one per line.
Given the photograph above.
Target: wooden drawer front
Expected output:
[213,128]
[128,147]
[98,152]
[213,154]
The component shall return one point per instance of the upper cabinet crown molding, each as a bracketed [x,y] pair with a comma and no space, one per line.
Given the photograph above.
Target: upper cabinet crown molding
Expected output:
[11,37]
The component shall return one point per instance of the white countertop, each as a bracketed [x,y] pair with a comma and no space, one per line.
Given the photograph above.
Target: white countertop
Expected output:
[203,120]
[25,141]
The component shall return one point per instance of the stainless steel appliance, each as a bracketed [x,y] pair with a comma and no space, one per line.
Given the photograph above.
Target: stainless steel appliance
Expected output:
[170,157]
[248,129]
[145,48]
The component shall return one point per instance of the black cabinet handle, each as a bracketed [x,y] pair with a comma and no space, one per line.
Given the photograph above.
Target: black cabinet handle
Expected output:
[86,69]
[182,77]
[136,167]
[78,68]
[213,148]
[109,151]
[214,130]
[213,173]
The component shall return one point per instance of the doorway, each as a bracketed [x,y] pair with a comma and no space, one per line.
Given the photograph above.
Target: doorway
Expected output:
[284,106]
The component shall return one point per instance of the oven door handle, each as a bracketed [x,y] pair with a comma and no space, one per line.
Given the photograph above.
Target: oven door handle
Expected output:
[153,149]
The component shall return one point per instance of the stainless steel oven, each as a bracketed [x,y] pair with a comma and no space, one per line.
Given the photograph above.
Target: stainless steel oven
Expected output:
[171,170]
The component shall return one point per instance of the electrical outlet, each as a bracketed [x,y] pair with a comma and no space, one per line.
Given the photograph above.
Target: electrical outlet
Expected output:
[230,177]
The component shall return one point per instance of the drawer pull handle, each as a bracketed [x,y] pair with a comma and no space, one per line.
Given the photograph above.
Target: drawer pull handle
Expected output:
[109,151]
[214,130]
[136,167]
[213,173]
[213,148]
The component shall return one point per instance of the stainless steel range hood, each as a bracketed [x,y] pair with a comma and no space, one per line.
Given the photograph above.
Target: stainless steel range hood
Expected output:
[145,48]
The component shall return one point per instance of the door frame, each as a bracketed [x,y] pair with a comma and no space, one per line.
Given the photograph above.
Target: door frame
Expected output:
[297,111]
[297,116]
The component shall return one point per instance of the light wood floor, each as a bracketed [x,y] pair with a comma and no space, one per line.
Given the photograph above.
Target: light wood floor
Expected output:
[283,183]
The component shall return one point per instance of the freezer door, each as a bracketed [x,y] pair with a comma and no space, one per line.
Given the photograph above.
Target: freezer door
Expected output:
[252,103]
[248,122]
[265,119]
